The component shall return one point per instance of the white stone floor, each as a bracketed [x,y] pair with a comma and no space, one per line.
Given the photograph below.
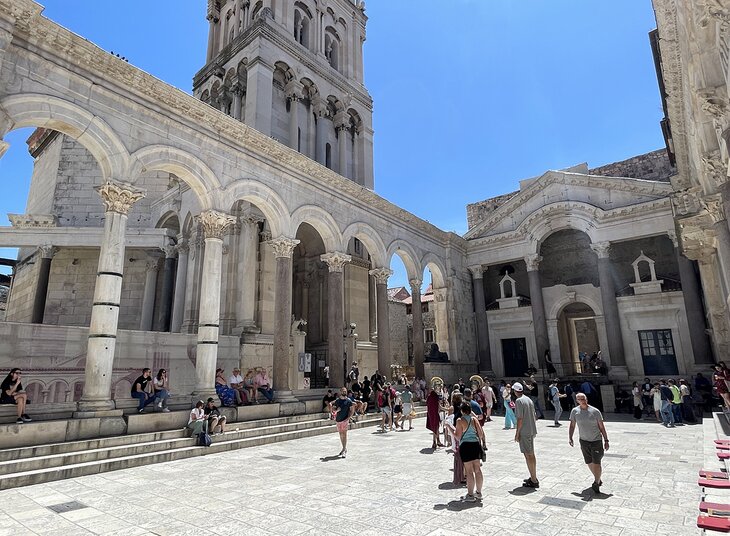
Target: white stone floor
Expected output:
[389,484]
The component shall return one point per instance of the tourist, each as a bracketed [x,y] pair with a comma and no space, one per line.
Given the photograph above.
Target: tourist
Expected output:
[236,382]
[526,432]
[531,370]
[327,400]
[216,421]
[687,405]
[623,401]
[549,365]
[407,399]
[366,390]
[459,476]
[376,378]
[590,431]
[248,385]
[142,390]
[356,389]
[676,401]
[461,385]
[197,420]
[344,407]
[386,408]
[719,379]
[354,374]
[510,421]
[433,421]
[532,391]
[570,395]
[488,396]
[162,390]
[475,409]
[11,392]
[656,401]
[703,386]
[647,396]
[638,400]
[471,440]
[397,412]
[263,385]
[555,396]
[589,390]
[667,396]
[228,396]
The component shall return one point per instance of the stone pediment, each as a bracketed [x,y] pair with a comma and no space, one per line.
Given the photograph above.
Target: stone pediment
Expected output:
[566,189]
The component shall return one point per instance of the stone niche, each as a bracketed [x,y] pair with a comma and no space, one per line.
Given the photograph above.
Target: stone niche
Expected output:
[508,293]
[653,285]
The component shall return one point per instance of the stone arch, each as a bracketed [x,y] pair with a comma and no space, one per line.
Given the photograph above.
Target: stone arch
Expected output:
[184,165]
[33,110]
[169,220]
[265,199]
[368,236]
[57,391]
[408,255]
[187,226]
[438,272]
[322,221]
[34,390]
[564,301]
[557,217]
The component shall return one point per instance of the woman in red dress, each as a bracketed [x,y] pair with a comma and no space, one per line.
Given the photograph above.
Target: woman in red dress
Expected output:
[432,417]
[719,378]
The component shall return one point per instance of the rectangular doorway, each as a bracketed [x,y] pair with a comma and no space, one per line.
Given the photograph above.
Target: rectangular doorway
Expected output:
[514,354]
[657,352]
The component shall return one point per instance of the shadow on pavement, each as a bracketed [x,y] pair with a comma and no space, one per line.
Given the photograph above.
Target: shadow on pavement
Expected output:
[588,495]
[428,450]
[451,485]
[457,506]
[330,458]
[521,490]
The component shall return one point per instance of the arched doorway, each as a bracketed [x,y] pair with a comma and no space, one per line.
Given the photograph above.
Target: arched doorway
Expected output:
[577,332]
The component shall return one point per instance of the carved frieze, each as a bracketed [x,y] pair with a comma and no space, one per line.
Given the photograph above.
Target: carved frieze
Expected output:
[714,207]
[32,221]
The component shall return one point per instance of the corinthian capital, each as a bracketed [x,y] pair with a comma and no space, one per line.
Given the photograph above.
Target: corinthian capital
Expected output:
[335,260]
[381,275]
[533,262]
[713,206]
[477,271]
[47,251]
[415,285]
[601,249]
[118,197]
[283,246]
[215,223]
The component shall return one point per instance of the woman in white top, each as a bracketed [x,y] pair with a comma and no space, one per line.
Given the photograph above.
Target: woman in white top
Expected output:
[638,404]
[162,391]
[197,420]
[657,400]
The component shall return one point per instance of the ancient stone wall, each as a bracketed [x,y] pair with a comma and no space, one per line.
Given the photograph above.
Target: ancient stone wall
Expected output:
[476,212]
[652,166]
[398,332]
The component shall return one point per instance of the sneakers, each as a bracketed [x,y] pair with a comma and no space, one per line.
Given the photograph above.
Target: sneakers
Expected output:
[25,418]
[468,498]
[478,495]
[159,404]
[528,483]
[19,421]
[165,410]
[141,410]
[344,453]
[558,424]
[596,486]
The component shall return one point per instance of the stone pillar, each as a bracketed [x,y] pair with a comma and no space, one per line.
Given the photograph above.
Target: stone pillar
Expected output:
[417,327]
[381,292]
[342,123]
[192,285]
[212,21]
[539,322]
[45,255]
[320,109]
[293,92]
[714,207]
[248,255]
[610,306]
[148,299]
[118,200]
[259,85]
[480,308]
[695,310]
[237,90]
[181,276]
[372,310]
[214,226]
[335,316]
[164,310]
[283,249]
[356,157]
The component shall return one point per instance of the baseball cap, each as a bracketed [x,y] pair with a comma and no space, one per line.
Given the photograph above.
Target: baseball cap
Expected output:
[517,386]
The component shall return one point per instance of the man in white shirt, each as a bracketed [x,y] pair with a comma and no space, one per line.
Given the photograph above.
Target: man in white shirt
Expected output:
[235,381]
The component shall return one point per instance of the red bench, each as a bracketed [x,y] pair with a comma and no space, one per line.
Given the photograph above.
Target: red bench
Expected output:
[714,483]
[714,475]
[718,524]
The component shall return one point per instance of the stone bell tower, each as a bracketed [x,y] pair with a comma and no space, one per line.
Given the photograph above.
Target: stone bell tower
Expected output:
[293,70]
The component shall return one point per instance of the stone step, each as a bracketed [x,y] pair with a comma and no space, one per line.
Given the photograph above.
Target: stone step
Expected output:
[163,446]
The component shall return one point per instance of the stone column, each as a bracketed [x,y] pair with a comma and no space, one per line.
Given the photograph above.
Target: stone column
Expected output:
[118,200]
[214,226]
[293,92]
[259,83]
[237,90]
[610,305]
[181,276]
[192,285]
[45,255]
[320,109]
[164,311]
[342,123]
[148,299]
[714,207]
[335,316]
[372,310]
[381,292]
[695,310]
[480,308]
[248,255]
[417,327]
[283,249]
[212,21]
[539,322]
[356,157]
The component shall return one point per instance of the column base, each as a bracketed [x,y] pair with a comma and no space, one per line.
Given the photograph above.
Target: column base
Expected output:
[285,397]
[90,409]
[205,394]
[620,372]
[248,328]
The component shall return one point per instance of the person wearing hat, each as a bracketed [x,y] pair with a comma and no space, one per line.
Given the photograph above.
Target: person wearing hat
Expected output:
[526,432]
[235,381]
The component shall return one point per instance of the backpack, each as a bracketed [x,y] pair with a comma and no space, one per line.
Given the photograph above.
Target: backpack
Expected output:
[204,440]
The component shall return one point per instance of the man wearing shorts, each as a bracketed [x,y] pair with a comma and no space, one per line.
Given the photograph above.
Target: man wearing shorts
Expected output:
[526,432]
[592,434]
[345,407]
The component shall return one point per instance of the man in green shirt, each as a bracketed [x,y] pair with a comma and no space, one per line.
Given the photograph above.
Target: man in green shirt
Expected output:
[676,401]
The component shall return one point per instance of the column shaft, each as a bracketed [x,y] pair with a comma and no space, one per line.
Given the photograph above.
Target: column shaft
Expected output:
[148,299]
[372,309]
[259,83]
[384,356]
[610,313]
[208,324]
[336,323]
[480,308]
[41,291]
[695,310]
[321,140]
[282,323]
[294,123]
[181,276]
[539,322]
[417,316]
[246,273]
[342,150]
[164,310]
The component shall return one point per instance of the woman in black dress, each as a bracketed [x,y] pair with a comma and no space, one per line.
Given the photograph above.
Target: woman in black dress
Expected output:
[11,392]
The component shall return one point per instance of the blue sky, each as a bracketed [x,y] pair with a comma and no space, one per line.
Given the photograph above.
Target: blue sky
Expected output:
[470,95]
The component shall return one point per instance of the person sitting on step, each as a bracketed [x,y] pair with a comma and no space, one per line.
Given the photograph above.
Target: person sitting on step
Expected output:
[263,384]
[236,383]
[197,420]
[142,390]
[162,391]
[229,397]
[249,386]
[11,392]
[216,421]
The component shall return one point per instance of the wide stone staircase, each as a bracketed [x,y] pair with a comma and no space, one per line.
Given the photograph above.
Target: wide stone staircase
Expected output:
[24,466]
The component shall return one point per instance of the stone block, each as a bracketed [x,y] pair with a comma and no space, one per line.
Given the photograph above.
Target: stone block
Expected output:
[32,433]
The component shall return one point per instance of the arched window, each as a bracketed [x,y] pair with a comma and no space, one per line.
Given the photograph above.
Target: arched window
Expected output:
[328,156]
[332,48]
[257,8]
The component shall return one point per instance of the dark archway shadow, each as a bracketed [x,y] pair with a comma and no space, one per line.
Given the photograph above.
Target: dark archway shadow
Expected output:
[457,506]
[522,490]
[330,458]
[587,495]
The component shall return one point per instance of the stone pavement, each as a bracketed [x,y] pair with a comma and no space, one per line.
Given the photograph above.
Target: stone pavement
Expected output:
[389,484]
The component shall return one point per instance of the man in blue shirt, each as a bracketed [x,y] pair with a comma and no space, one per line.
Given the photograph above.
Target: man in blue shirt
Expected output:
[345,407]
[475,408]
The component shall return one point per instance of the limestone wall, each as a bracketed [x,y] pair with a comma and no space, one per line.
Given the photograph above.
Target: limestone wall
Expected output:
[398,332]
[653,166]
[22,291]
[43,180]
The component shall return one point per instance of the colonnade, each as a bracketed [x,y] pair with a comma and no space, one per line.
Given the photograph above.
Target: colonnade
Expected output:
[118,199]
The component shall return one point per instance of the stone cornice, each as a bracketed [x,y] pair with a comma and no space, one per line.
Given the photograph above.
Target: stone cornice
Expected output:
[57,42]
[637,186]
